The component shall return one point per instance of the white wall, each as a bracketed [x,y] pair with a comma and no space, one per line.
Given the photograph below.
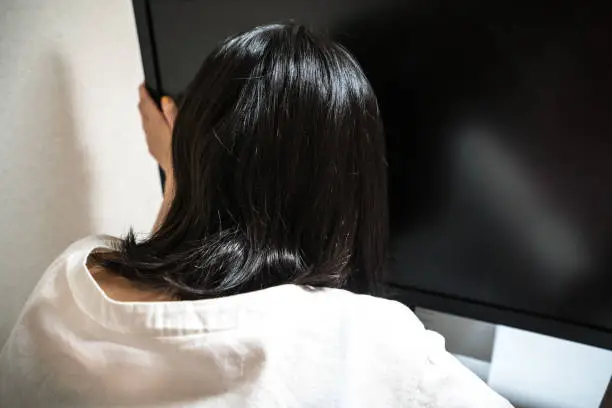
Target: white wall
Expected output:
[73,160]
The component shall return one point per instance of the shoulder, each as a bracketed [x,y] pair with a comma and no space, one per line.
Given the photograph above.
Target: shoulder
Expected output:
[49,294]
[77,252]
[397,346]
[72,258]
[89,243]
[374,322]
[379,312]
[365,321]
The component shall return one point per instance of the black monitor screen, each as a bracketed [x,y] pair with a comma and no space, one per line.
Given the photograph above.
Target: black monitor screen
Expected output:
[499,135]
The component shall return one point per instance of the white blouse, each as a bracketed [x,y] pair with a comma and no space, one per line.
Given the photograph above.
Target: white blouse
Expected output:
[286,346]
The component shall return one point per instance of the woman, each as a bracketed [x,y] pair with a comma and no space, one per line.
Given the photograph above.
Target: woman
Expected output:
[275,204]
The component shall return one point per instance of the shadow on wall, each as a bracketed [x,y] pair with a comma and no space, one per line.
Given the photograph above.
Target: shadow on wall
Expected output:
[43,178]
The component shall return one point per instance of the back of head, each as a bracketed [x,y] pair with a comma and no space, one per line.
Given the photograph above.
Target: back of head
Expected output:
[279,164]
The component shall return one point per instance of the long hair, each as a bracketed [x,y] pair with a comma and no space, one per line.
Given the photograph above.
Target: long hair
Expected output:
[279,164]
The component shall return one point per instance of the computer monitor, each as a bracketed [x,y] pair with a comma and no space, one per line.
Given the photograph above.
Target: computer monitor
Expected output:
[498,118]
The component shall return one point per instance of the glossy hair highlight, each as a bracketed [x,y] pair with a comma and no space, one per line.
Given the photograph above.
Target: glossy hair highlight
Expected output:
[280,174]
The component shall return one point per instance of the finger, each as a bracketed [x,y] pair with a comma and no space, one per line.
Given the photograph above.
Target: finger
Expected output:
[148,108]
[145,114]
[142,92]
[145,97]
[170,110]
[143,104]
[147,105]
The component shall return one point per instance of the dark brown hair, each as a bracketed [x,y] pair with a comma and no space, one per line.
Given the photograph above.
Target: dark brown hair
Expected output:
[279,163]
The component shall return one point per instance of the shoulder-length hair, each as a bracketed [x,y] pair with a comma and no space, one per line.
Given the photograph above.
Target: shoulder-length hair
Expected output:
[280,175]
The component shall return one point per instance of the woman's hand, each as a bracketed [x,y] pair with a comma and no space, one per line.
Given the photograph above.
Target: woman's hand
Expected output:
[157,125]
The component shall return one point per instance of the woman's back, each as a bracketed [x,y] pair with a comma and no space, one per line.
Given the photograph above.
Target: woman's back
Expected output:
[286,346]
[275,207]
